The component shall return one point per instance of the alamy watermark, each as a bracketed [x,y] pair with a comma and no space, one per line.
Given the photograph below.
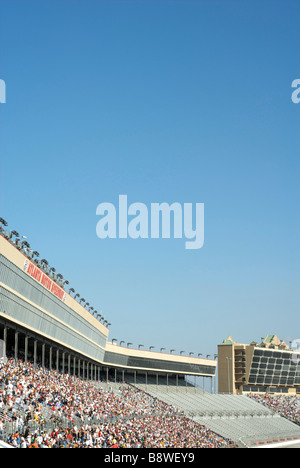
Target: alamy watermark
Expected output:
[2,92]
[161,220]
[296,93]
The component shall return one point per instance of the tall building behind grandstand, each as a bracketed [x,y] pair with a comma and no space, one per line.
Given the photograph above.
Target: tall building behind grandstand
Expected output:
[271,366]
[45,320]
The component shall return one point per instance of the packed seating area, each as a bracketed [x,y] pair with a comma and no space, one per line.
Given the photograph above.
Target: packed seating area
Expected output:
[44,409]
[286,406]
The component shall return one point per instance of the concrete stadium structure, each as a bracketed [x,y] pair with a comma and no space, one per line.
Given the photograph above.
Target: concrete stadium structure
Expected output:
[41,321]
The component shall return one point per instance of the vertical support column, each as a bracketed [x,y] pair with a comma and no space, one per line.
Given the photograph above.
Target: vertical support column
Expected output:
[79,368]
[16,345]
[57,360]
[74,366]
[63,362]
[35,354]
[43,356]
[50,358]
[69,364]
[26,350]
[5,337]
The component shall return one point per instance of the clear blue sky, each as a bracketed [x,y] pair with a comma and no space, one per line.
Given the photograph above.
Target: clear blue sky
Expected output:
[186,101]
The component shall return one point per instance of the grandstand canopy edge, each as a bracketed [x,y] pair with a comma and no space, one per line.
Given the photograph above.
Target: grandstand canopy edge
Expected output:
[151,361]
[19,260]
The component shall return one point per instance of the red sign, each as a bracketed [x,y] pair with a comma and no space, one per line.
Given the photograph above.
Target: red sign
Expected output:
[44,279]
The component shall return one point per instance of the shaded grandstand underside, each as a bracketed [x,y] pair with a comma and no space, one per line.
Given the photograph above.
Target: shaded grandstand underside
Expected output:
[26,345]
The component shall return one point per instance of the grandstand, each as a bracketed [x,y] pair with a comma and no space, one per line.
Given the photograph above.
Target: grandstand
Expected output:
[235,417]
[42,317]
[45,322]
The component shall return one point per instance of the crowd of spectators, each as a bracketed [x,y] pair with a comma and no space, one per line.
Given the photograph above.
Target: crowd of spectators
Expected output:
[45,409]
[287,406]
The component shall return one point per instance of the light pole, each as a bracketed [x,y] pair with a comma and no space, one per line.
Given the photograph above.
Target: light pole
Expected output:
[216,357]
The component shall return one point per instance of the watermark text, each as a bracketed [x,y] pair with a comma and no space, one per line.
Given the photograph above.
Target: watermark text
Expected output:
[161,220]
[296,93]
[2,92]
